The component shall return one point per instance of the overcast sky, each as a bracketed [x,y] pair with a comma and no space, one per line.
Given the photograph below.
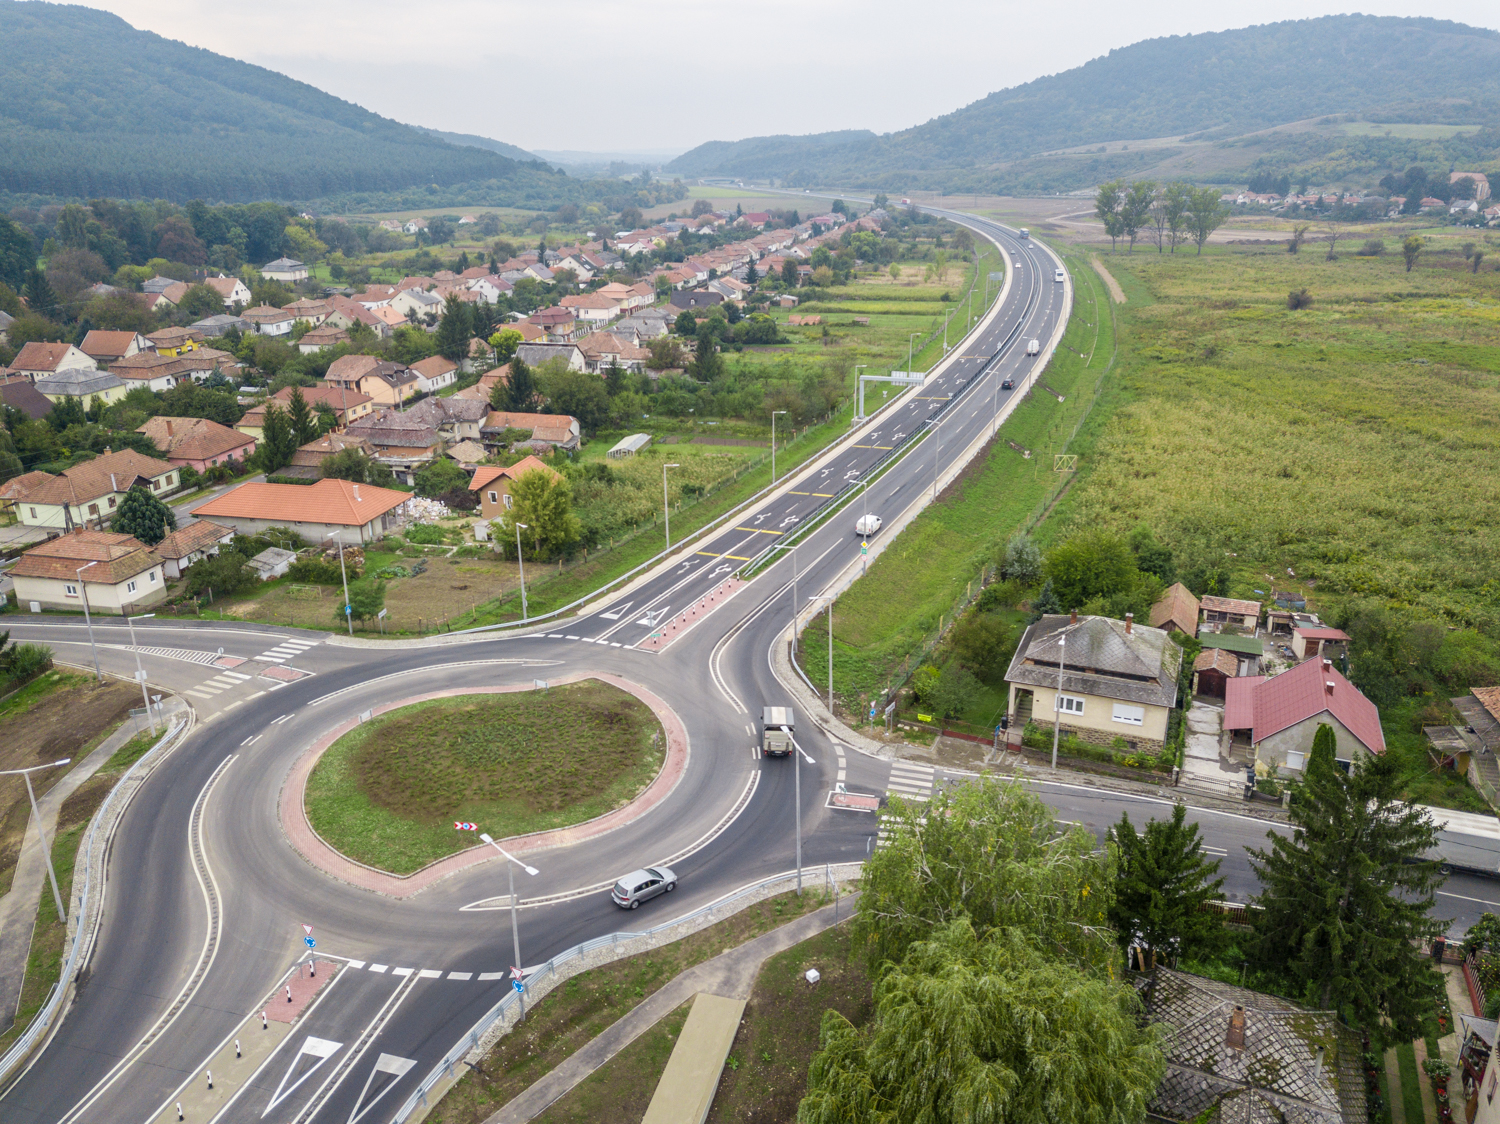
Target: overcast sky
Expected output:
[665,75]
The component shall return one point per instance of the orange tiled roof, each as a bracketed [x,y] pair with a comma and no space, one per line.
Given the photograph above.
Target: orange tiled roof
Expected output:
[489,473]
[328,501]
[102,476]
[193,537]
[194,439]
[118,558]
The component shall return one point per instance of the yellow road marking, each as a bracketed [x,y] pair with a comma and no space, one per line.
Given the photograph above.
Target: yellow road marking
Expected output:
[884,448]
[760,530]
[732,557]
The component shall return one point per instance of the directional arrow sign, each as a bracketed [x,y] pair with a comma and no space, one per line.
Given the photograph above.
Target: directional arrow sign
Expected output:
[310,942]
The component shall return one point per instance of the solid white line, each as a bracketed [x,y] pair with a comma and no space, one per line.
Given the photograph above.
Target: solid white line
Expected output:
[1465,898]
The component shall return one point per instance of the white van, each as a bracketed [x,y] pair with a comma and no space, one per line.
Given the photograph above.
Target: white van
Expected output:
[1034,347]
[1059,276]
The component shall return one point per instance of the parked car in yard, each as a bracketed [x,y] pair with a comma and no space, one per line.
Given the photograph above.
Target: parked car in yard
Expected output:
[642,885]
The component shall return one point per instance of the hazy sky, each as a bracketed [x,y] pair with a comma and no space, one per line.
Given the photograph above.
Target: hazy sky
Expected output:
[641,75]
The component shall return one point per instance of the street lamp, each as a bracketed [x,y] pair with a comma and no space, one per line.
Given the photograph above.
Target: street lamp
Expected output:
[515,932]
[1062,655]
[83,591]
[666,507]
[343,573]
[41,835]
[909,338]
[797,795]
[773,443]
[519,528]
[858,367]
[139,674]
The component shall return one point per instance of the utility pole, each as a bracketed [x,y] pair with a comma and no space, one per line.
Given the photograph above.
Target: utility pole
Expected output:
[521,566]
[139,673]
[515,932]
[343,573]
[666,507]
[773,445]
[1062,654]
[41,835]
[83,592]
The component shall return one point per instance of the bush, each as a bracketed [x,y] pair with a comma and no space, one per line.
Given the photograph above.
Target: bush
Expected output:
[1372,248]
[1269,785]
[318,571]
[426,534]
[460,499]
[24,662]
[224,573]
[1299,299]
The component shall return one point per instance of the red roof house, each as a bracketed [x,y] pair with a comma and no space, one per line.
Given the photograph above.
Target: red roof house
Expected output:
[1280,715]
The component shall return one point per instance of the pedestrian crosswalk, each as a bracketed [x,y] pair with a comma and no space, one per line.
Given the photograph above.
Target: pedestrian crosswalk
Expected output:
[287,649]
[217,684]
[187,655]
[911,782]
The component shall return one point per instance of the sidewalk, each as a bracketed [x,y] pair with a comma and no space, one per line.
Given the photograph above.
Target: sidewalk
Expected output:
[18,907]
[729,975]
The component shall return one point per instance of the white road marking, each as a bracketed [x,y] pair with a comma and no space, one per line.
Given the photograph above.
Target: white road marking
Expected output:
[460,975]
[429,974]
[379,967]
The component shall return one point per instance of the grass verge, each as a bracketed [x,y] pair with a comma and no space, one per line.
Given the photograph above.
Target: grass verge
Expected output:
[622,1088]
[387,793]
[1411,1087]
[575,1013]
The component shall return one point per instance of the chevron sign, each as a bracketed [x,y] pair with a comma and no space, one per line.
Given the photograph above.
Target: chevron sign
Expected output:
[465,826]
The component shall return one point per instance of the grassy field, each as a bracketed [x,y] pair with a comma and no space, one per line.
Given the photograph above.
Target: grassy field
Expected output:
[387,793]
[585,1005]
[914,585]
[622,1088]
[766,1076]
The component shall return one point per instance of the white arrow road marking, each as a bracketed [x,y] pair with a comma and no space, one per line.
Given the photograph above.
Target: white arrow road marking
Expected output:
[386,1063]
[611,616]
[320,1048]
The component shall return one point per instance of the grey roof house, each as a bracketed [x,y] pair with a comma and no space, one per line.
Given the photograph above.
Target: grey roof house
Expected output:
[78,383]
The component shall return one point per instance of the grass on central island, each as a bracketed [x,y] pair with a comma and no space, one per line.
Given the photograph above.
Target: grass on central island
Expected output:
[387,793]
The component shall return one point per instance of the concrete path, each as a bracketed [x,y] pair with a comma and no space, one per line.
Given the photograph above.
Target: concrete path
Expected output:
[18,907]
[730,975]
[1393,1086]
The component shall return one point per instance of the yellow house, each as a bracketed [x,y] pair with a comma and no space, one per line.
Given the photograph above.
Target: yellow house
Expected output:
[175,341]
[84,385]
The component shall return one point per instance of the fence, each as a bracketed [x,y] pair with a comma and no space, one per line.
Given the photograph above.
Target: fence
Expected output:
[550,974]
[22,1048]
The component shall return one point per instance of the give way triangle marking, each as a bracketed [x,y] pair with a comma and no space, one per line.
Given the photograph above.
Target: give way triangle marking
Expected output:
[386,1063]
[617,613]
[320,1048]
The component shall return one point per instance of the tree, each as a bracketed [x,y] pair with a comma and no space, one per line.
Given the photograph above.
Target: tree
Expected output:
[518,393]
[201,301]
[751,275]
[1206,213]
[543,501]
[789,273]
[707,364]
[366,600]
[278,439]
[304,425]
[1299,235]
[1089,565]
[440,476]
[686,323]
[355,465]
[455,330]
[143,515]
[1164,880]
[1411,249]
[1324,749]
[1176,200]
[39,295]
[17,254]
[1346,899]
[10,463]
[224,573]
[1021,560]
[505,342]
[1135,208]
[579,393]
[1107,203]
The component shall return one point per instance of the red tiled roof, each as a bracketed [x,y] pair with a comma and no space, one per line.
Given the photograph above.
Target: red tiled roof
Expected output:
[487,474]
[327,501]
[194,439]
[38,355]
[1230,605]
[99,344]
[1321,633]
[1268,706]
[433,366]
[102,476]
[119,558]
[193,537]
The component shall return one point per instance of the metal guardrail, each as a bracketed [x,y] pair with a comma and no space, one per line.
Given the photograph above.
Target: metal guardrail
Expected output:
[503,1008]
[42,1023]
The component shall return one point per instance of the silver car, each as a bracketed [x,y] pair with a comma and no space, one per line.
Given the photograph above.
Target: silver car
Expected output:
[638,885]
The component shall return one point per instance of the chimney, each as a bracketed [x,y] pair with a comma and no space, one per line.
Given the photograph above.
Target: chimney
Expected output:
[1318,1062]
[1075,617]
[1328,685]
[169,427]
[356,494]
[1129,623]
[1235,1038]
[1327,665]
[113,487]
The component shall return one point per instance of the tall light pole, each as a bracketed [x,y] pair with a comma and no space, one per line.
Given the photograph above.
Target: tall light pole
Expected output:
[909,339]
[666,506]
[797,794]
[40,834]
[515,932]
[858,367]
[139,673]
[1062,655]
[83,591]
[519,528]
[343,573]
[773,443]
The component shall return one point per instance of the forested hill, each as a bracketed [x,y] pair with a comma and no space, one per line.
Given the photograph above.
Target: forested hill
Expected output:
[1229,83]
[93,107]
[471,140]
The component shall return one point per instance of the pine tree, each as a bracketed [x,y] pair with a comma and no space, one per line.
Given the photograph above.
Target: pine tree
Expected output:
[304,425]
[751,276]
[1346,899]
[1163,882]
[1045,602]
[520,390]
[1324,749]
[463,262]
[454,330]
[143,515]
[278,441]
[39,295]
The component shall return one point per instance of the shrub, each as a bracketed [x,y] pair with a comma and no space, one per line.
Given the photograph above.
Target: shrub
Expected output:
[1269,785]
[1299,299]
[24,662]
[318,571]
[1372,248]
[426,534]
[460,499]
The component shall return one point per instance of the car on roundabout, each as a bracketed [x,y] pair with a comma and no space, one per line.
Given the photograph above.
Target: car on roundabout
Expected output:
[642,885]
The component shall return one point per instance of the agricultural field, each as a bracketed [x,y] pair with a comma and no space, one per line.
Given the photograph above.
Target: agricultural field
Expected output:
[387,793]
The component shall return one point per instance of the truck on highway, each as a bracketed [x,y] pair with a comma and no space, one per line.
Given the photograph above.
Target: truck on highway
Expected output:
[1025,233]
[773,741]
[1466,842]
[1058,275]
[1034,347]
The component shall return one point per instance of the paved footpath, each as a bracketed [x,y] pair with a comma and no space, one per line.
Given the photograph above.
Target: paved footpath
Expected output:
[730,975]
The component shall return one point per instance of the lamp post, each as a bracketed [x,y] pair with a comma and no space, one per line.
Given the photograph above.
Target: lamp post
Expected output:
[909,338]
[797,794]
[666,507]
[139,673]
[519,528]
[343,573]
[515,933]
[858,367]
[83,591]
[1062,656]
[773,443]
[41,835]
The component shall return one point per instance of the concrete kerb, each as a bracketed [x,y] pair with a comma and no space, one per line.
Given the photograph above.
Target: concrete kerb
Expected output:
[318,853]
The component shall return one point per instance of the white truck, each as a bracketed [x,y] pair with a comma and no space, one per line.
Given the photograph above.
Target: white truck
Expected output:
[1059,276]
[1034,347]
[867,525]
[774,742]
[1025,233]
[1466,842]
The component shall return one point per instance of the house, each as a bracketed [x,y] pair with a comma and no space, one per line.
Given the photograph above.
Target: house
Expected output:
[388,316]
[148,369]
[199,539]
[18,393]
[1312,643]
[535,354]
[1477,1073]
[347,405]
[1481,183]
[492,484]
[434,373]
[307,461]
[284,269]
[1239,1055]
[387,383]
[175,341]
[482,390]
[1213,668]
[491,287]
[696,298]
[347,313]
[468,454]
[1272,721]
[560,324]
[89,492]
[1177,609]
[105,347]
[454,418]
[82,384]
[37,360]
[218,325]
[403,443]
[6,320]
[1107,678]
[416,304]
[324,335]
[1229,612]
[591,308]
[197,442]
[272,563]
[344,511]
[115,573]
[269,320]
[311,312]
[547,431]
[603,350]
[231,289]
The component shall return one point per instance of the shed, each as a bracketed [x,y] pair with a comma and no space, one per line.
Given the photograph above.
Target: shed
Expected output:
[1231,612]
[272,562]
[1309,643]
[1177,609]
[630,446]
[1214,668]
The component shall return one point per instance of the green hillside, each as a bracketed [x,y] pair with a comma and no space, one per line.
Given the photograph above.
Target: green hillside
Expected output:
[1211,89]
[94,107]
[473,140]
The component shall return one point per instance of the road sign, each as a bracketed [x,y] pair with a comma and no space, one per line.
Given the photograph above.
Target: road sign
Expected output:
[307,929]
[864,548]
[516,973]
[310,942]
[518,985]
[460,826]
[348,610]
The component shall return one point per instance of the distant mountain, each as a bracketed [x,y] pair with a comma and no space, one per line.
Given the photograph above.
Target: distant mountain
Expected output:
[1209,88]
[471,140]
[94,107]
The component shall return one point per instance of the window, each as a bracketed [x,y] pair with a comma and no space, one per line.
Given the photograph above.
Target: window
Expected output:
[156,485]
[111,501]
[509,503]
[93,509]
[494,497]
[153,575]
[1070,704]
[33,513]
[1130,715]
[130,587]
[1295,760]
[71,590]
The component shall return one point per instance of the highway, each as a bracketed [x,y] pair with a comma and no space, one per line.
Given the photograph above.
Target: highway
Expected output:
[207,898]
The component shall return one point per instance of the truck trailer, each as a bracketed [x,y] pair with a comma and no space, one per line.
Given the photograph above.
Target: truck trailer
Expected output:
[773,742]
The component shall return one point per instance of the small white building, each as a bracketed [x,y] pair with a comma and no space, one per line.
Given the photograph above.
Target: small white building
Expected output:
[273,562]
[284,269]
[114,573]
[629,446]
